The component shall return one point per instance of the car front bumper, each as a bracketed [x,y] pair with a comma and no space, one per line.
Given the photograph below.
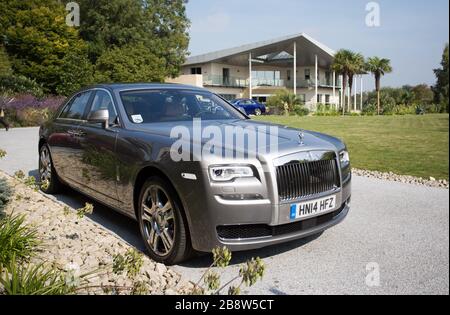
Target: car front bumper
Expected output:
[269,222]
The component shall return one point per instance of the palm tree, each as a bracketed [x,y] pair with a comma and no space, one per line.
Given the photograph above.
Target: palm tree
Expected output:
[357,66]
[379,67]
[342,65]
[289,100]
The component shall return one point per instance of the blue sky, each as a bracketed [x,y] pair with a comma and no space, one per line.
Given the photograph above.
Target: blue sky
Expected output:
[412,32]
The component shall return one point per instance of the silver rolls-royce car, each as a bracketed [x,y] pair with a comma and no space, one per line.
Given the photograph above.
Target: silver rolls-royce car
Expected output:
[183,162]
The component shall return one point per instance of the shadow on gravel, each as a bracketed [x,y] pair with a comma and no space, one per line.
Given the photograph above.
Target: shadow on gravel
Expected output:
[121,225]
[128,230]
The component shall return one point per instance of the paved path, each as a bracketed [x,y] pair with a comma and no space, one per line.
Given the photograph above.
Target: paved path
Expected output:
[400,228]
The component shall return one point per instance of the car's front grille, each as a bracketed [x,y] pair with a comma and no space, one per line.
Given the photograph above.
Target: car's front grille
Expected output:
[236,232]
[303,179]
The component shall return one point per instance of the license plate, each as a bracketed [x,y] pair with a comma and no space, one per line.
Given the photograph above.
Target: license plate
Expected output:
[313,208]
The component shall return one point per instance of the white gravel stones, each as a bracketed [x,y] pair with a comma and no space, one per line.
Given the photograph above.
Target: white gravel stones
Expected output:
[431,182]
[81,245]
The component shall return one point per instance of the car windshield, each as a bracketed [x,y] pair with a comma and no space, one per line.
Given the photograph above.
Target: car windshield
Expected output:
[151,106]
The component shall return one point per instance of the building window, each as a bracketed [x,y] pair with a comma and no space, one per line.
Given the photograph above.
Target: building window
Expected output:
[328,78]
[289,75]
[267,78]
[197,70]
[319,98]
[307,74]
[327,99]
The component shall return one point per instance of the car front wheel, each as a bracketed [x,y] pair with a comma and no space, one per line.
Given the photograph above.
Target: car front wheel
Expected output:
[258,112]
[48,178]
[162,224]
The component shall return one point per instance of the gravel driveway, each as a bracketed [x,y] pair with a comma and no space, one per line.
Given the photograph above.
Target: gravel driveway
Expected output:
[397,233]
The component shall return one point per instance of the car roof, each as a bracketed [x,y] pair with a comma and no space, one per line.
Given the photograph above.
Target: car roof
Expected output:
[118,87]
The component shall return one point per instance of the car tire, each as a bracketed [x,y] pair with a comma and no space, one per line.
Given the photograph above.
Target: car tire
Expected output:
[48,173]
[162,223]
[258,112]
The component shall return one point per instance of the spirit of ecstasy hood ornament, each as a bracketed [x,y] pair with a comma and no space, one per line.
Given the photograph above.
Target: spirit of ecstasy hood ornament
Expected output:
[301,137]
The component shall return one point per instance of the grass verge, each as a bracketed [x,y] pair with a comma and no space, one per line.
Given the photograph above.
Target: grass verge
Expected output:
[405,145]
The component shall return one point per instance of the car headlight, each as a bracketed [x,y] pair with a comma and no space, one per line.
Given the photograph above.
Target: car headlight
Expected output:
[344,158]
[228,173]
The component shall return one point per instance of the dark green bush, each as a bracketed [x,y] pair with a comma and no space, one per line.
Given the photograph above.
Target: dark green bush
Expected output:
[5,193]
[326,110]
[19,84]
[301,110]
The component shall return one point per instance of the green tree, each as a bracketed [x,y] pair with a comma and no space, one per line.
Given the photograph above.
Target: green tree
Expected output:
[39,42]
[342,65]
[422,94]
[285,101]
[5,64]
[442,75]
[378,67]
[160,26]
[356,66]
[131,63]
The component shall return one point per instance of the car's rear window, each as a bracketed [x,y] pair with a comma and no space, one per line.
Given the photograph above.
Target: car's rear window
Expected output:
[151,106]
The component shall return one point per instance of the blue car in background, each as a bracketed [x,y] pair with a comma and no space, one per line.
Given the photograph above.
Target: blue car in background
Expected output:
[251,107]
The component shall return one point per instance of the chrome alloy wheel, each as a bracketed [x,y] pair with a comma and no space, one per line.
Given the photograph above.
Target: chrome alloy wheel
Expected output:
[45,165]
[158,220]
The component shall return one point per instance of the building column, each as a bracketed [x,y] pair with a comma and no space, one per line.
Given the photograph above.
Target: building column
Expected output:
[341,100]
[334,88]
[362,93]
[250,83]
[317,81]
[295,68]
[355,80]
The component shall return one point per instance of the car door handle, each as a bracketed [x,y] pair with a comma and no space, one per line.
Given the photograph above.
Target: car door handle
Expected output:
[76,133]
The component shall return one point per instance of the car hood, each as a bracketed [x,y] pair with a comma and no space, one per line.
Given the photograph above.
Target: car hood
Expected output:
[286,137]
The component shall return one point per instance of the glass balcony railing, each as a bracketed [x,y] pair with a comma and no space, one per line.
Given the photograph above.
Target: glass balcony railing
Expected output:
[311,83]
[268,82]
[218,80]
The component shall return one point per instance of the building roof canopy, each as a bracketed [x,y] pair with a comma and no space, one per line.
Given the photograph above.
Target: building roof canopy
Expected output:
[277,52]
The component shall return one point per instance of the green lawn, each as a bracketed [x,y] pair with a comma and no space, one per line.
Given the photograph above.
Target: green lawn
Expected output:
[406,145]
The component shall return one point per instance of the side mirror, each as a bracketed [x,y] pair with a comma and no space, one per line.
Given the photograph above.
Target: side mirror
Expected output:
[99,116]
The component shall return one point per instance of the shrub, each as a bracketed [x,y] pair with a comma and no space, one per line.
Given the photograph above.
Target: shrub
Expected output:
[326,110]
[249,274]
[18,279]
[19,84]
[5,193]
[369,109]
[300,110]
[17,240]
[285,101]
[27,110]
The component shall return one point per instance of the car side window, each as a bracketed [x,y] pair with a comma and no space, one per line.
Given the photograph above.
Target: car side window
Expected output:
[102,100]
[77,107]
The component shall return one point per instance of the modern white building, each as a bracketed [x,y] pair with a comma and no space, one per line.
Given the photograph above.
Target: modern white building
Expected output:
[297,63]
